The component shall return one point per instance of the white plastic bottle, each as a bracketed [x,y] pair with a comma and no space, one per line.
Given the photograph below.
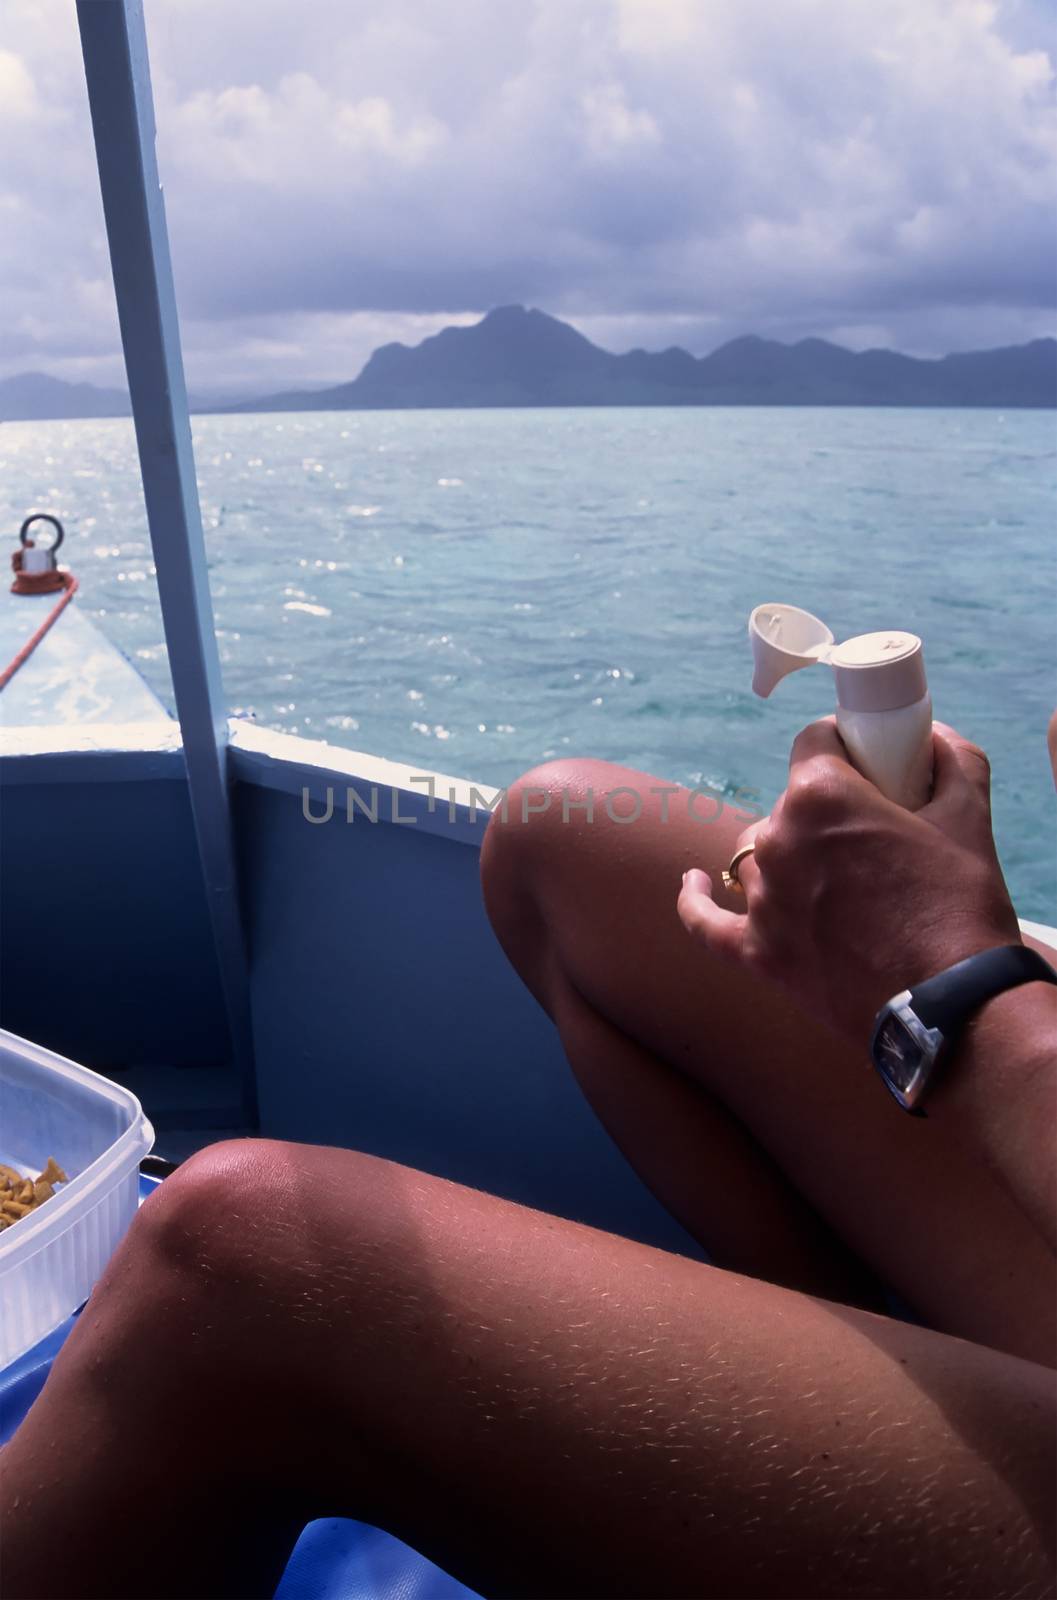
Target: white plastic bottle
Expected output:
[884,711]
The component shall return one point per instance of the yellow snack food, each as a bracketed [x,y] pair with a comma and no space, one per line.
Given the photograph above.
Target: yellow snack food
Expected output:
[20,1195]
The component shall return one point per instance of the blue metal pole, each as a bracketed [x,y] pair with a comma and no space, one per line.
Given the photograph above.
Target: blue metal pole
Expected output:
[114,45]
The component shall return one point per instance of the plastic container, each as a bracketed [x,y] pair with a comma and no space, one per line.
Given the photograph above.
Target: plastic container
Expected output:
[50,1259]
[884,712]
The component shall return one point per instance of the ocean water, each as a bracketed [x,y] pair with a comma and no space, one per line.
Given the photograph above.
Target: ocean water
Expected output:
[476,591]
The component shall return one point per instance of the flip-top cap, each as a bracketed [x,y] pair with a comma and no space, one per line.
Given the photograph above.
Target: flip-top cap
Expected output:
[784,639]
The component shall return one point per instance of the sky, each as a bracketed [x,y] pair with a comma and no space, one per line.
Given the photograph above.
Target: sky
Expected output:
[345,172]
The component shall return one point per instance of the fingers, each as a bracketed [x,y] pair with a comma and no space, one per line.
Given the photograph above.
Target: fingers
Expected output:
[721,932]
[748,871]
[823,782]
[961,776]
[818,741]
[970,760]
[961,772]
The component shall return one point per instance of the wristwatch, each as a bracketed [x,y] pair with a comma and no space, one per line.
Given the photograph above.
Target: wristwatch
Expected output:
[916,1029]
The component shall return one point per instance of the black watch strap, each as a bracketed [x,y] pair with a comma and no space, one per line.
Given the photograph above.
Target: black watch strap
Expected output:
[948,1001]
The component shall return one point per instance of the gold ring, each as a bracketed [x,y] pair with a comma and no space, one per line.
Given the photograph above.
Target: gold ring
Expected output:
[731,880]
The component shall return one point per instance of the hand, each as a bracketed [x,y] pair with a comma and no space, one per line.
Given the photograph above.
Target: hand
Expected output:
[850,898]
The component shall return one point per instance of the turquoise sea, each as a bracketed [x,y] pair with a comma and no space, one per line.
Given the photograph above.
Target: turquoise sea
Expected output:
[474,591]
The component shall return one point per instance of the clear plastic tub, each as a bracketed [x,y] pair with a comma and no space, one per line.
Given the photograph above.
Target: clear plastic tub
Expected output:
[98,1134]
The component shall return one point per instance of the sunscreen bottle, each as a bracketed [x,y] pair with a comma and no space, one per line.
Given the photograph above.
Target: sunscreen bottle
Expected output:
[884,711]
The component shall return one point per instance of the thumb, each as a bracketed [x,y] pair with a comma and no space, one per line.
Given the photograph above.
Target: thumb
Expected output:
[721,932]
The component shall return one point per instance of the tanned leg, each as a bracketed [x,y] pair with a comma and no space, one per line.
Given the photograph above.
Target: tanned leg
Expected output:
[661,1039]
[291,1331]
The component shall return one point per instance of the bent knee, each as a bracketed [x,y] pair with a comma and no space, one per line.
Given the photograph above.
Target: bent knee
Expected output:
[217,1275]
[548,794]
[179,1289]
[533,846]
[521,835]
[223,1213]
[542,818]
[248,1210]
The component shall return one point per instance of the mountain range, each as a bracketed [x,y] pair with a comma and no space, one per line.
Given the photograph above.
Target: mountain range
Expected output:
[38,397]
[34,397]
[519,357]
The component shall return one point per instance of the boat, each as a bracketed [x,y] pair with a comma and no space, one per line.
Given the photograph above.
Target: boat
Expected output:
[228,920]
[331,1010]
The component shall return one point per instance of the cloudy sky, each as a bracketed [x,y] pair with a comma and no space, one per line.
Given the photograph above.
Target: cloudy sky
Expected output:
[343,172]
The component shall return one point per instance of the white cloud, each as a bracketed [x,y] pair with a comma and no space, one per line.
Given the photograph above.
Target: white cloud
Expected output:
[677,170]
[612,129]
[18,93]
[298,137]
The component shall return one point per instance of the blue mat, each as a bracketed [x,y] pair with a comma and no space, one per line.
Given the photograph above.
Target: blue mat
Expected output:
[334,1559]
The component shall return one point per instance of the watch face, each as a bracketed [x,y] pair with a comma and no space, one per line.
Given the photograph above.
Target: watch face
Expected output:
[897,1053]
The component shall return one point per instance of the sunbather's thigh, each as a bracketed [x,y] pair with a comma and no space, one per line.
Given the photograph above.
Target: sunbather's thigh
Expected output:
[577,1414]
[591,902]
[545,1409]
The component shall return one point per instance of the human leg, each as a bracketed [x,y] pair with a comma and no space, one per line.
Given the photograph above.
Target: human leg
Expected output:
[292,1331]
[585,907]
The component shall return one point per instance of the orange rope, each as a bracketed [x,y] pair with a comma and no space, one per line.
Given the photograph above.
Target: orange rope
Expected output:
[38,583]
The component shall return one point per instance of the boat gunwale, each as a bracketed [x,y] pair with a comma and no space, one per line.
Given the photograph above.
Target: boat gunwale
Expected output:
[317,773]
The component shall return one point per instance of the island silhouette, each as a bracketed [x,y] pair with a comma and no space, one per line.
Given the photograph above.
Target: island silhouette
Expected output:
[520,357]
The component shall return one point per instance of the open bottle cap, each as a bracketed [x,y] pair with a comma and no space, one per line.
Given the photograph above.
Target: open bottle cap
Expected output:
[784,639]
[873,672]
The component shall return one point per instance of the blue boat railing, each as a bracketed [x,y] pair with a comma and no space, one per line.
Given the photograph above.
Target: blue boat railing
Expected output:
[114,46]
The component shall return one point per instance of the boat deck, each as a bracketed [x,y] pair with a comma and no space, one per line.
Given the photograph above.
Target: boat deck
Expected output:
[75,679]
